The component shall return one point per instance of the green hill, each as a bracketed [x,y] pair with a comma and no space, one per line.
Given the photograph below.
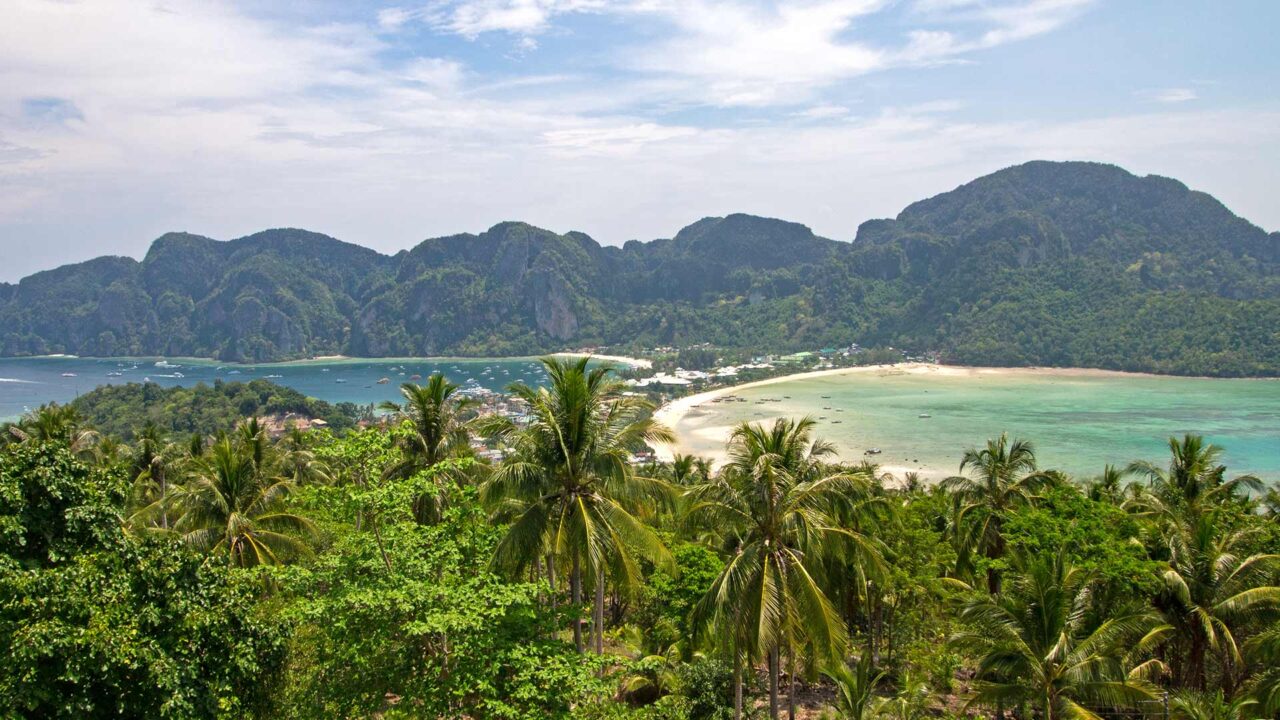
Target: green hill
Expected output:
[1044,263]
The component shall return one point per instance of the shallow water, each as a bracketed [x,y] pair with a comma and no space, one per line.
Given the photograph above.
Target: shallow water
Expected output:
[1076,423]
[26,383]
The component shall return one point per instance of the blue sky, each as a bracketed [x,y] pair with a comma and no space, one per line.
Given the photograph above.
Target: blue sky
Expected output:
[386,123]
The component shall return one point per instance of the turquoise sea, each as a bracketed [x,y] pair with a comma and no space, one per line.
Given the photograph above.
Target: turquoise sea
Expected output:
[1077,422]
[26,383]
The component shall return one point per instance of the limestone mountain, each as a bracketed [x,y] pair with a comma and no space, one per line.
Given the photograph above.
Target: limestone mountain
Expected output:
[1042,263]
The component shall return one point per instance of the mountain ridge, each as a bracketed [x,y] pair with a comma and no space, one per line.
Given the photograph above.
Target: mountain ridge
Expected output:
[1032,264]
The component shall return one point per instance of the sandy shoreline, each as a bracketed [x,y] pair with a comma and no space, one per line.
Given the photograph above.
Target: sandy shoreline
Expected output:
[620,359]
[672,413]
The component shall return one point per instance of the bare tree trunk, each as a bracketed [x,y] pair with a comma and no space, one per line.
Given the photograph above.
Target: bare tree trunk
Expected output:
[575,594]
[377,535]
[773,684]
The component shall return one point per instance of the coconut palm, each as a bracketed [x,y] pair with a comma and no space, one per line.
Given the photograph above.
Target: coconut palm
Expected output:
[438,432]
[152,466]
[855,689]
[1034,645]
[1004,476]
[1209,592]
[1263,652]
[777,503]
[1196,705]
[1271,502]
[1109,486]
[568,485]
[233,504]
[1194,481]
[54,423]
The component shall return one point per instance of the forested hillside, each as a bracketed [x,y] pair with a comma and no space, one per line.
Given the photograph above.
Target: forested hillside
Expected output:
[1042,264]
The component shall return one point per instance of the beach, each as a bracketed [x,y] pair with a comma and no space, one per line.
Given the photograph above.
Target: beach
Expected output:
[619,359]
[922,417]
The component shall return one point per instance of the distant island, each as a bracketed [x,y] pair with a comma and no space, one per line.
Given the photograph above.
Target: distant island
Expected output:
[1058,264]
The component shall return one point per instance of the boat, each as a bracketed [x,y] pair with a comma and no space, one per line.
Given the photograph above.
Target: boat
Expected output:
[273,377]
[115,374]
[166,364]
[339,380]
[924,415]
[825,397]
[415,376]
[383,381]
[873,451]
[68,374]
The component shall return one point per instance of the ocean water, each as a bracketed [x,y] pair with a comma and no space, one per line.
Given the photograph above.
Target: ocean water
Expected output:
[26,383]
[1077,423]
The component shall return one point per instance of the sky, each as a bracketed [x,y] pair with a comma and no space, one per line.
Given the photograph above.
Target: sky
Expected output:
[385,123]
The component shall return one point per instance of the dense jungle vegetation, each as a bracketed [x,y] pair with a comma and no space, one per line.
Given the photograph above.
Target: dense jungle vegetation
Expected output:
[390,572]
[1062,264]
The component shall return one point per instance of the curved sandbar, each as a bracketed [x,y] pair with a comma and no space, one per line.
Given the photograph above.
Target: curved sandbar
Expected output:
[924,416]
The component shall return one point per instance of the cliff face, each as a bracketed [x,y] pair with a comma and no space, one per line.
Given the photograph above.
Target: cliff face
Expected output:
[1046,263]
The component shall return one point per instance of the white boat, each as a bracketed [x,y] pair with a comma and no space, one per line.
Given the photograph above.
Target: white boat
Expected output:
[68,374]
[924,415]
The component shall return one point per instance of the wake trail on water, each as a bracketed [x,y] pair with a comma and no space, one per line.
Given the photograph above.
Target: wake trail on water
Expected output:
[15,380]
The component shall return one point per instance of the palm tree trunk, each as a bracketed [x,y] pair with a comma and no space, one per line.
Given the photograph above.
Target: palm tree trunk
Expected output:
[551,577]
[773,684]
[1197,664]
[597,617]
[575,594]
[737,684]
[791,684]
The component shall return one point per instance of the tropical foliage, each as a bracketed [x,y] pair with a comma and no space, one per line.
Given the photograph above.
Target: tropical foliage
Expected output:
[392,571]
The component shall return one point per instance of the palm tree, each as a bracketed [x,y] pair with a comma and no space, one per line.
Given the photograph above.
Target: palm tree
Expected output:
[1005,477]
[569,487]
[1271,502]
[233,504]
[1109,486]
[778,503]
[151,465]
[1194,481]
[855,689]
[1195,705]
[1209,591]
[54,423]
[1034,645]
[1263,651]
[439,432]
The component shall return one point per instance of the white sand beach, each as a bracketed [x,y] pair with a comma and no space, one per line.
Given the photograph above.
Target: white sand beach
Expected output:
[692,437]
[620,359]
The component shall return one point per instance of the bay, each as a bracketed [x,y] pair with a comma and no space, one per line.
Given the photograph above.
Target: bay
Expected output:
[1077,420]
[27,383]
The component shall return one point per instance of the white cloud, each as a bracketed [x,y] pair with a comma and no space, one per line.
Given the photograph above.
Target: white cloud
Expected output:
[1170,95]
[471,18]
[822,112]
[614,140]
[204,119]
